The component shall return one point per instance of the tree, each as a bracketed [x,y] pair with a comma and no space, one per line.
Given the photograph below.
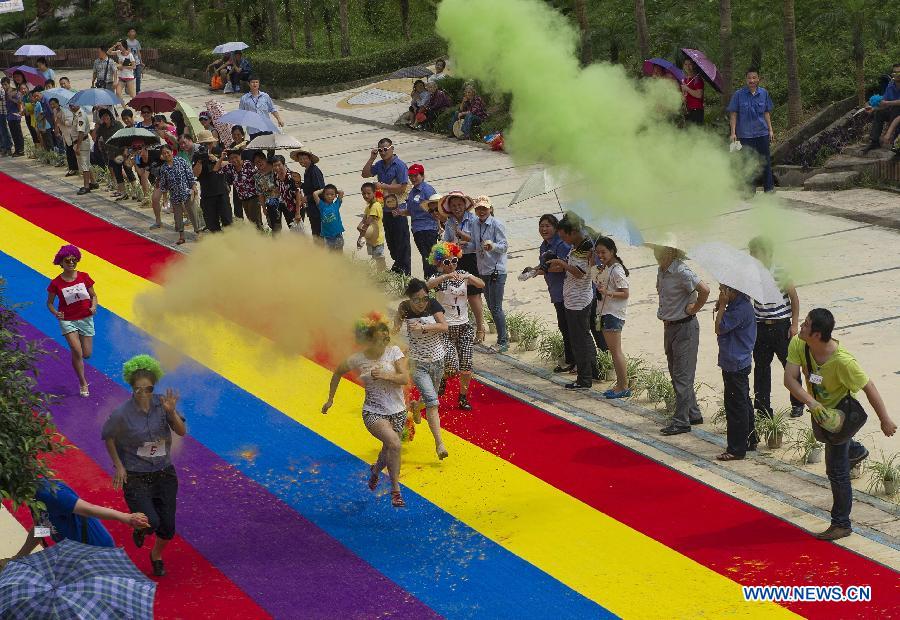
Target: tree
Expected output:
[44,9]
[640,17]
[272,14]
[191,11]
[404,18]
[124,11]
[345,28]
[308,27]
[328,19]
[289,17]
[726,64]
[587,56]
[27,431]
[795,106]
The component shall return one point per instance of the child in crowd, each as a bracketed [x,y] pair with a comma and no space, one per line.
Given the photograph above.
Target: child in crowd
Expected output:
[328,199]
[371,228]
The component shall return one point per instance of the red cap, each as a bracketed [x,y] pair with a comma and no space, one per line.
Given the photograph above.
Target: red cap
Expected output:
[417,169]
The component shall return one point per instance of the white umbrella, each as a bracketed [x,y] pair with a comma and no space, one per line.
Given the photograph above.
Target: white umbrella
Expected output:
[540,182]
[737,269]
[35,50]
[621,228]
[275,141]
[231,46]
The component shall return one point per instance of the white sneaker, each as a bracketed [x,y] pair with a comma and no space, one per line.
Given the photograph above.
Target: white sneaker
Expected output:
[228,89]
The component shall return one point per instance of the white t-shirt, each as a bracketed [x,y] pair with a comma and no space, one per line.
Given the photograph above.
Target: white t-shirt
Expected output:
[453,294]
[578,293]
[427,347]
[614,278]
[126,73]
[382,397]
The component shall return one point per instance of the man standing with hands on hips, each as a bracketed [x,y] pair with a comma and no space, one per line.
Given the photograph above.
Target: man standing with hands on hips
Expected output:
[681,296]
[393,178]
[751,122]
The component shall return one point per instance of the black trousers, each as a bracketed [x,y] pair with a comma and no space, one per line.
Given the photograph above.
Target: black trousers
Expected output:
[879,119]
[216,211]
[15,131]
[425,240]
[236,204]
[274,213]
[314,217]
[120,172]
[563,325]
[71,159]
[596,333]
[694,116]
[154,494]
[396,234]
[771,340]
[738,411]
[579,324]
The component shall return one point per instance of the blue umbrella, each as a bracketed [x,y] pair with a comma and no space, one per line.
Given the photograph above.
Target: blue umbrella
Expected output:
[95,97]
[250,120]
[622,229]
[60,94]
[73,581]
[663,64]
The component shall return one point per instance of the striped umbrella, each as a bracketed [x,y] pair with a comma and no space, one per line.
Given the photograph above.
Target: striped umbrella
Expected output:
[73,581]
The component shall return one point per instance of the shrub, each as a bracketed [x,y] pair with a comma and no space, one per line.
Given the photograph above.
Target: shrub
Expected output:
[605,365]
[530,331]
[551,348]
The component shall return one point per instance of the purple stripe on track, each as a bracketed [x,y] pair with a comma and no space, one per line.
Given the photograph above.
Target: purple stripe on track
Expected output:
[288,565]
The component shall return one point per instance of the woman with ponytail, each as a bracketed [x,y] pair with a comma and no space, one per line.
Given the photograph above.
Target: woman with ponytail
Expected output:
[612,284]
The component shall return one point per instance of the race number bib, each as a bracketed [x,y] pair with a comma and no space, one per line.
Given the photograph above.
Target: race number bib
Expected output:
[41,531]
[816,379]
[151,449]
[75,293]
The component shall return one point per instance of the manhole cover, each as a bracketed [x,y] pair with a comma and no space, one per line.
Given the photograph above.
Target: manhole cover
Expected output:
[376,95]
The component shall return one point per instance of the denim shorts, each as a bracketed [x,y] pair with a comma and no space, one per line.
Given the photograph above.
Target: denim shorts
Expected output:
[334,243]
[84,327]
[610,323]
[427,376]
[375,251]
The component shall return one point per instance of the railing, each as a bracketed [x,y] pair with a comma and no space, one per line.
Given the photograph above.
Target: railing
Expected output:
[80,58]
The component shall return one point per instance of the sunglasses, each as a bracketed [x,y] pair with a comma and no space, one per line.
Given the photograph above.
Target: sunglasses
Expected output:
[144,390]
[71,259]
[420,300]
[384,149]
[450,261]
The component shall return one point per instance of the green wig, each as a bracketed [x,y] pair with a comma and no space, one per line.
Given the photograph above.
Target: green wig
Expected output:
[442,250]
[142,362]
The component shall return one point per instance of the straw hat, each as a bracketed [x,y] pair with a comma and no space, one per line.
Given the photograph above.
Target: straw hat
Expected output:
[431,204]
[484,201]
[457,129]
[205,136]
[668,241]
[295,155]
[445,199]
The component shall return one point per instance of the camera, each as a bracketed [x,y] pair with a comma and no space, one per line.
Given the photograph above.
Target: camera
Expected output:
[545,258]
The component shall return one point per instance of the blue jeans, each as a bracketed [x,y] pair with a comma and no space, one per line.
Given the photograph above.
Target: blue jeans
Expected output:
[837,467]
[494,284]
[427,376]
[6,143]
[469,120]
[761,146]
[138,70]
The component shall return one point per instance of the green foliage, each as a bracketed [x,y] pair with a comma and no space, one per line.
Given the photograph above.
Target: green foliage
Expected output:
[514,323]
[605,365]
[26,427]
[884,473]
[803,443]
[551,348]
[530,332]
[778,424]
[393,283]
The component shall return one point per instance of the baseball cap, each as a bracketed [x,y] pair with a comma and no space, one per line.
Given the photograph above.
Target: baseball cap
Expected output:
[417,169]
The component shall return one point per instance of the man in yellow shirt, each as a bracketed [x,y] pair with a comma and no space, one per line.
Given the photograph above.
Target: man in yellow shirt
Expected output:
[373,216]
[835,373]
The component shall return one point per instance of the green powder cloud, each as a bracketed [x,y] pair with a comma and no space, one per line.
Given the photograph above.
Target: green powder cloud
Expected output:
[596,123]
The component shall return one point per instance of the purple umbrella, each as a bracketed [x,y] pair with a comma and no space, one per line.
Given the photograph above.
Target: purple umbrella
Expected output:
[665,65]
[706,67]
[32,75]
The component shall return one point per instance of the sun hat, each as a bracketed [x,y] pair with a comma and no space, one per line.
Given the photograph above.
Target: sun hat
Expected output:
[417,169]
[443,204]
[295,155]
[669,240]
[484,201]
[204,136]
[458,130]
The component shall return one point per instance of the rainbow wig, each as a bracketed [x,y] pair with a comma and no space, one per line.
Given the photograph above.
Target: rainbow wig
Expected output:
[442,250]
[368,326]
[142,362]
[65,252]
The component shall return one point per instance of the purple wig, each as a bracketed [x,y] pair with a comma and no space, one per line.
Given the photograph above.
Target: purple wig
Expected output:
[65,252]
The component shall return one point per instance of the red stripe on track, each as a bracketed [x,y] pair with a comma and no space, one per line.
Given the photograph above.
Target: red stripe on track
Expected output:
[192,587]
[714,529]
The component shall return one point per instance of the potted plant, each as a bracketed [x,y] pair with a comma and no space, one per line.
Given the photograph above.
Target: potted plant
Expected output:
[885,474]
[551,348]
[804,444]
[605,364]
[514,323]
[773,428]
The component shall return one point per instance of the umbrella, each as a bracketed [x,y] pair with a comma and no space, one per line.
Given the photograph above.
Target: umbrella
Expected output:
[95,97]
[539,182]
[411,72]
[216,111]
[231,46]
[621,228]
[158,101]
[739,270]
[35,50]
[60,94]
[191,118]
[128,135]
[71,580]
[32,75]
[665,65]
[275,141]
[251,120]
[706,67]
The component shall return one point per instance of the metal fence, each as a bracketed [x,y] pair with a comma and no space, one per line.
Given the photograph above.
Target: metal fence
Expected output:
[80,58]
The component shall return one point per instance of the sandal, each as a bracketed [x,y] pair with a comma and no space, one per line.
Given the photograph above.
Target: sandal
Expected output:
[728,456]
[479,335]
[179,242]
[566,368]
[373,478]
[397,500]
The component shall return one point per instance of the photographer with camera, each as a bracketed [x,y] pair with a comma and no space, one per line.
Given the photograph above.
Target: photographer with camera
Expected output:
[104,74]
[489,237]
[207,164]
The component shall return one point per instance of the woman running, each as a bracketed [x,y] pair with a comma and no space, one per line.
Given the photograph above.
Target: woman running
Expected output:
[452,286]
[138,438]
[76,309]
[383,371]
[425,325]
[612,284]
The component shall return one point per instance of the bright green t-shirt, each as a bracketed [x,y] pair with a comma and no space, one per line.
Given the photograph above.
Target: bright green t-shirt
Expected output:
[841,373]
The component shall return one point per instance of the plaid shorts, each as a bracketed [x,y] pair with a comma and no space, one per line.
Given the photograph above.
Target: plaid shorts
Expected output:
[459,342]
[397,420]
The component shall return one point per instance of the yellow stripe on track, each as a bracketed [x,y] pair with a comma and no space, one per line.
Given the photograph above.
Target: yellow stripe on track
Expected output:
[623,570]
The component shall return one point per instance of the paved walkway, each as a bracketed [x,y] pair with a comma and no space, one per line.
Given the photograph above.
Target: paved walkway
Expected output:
[843,264]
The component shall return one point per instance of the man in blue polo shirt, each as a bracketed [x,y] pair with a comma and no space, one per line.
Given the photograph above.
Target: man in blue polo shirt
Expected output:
[424,224]
[751,123]
[68,516]
[887,110]
[393,178]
